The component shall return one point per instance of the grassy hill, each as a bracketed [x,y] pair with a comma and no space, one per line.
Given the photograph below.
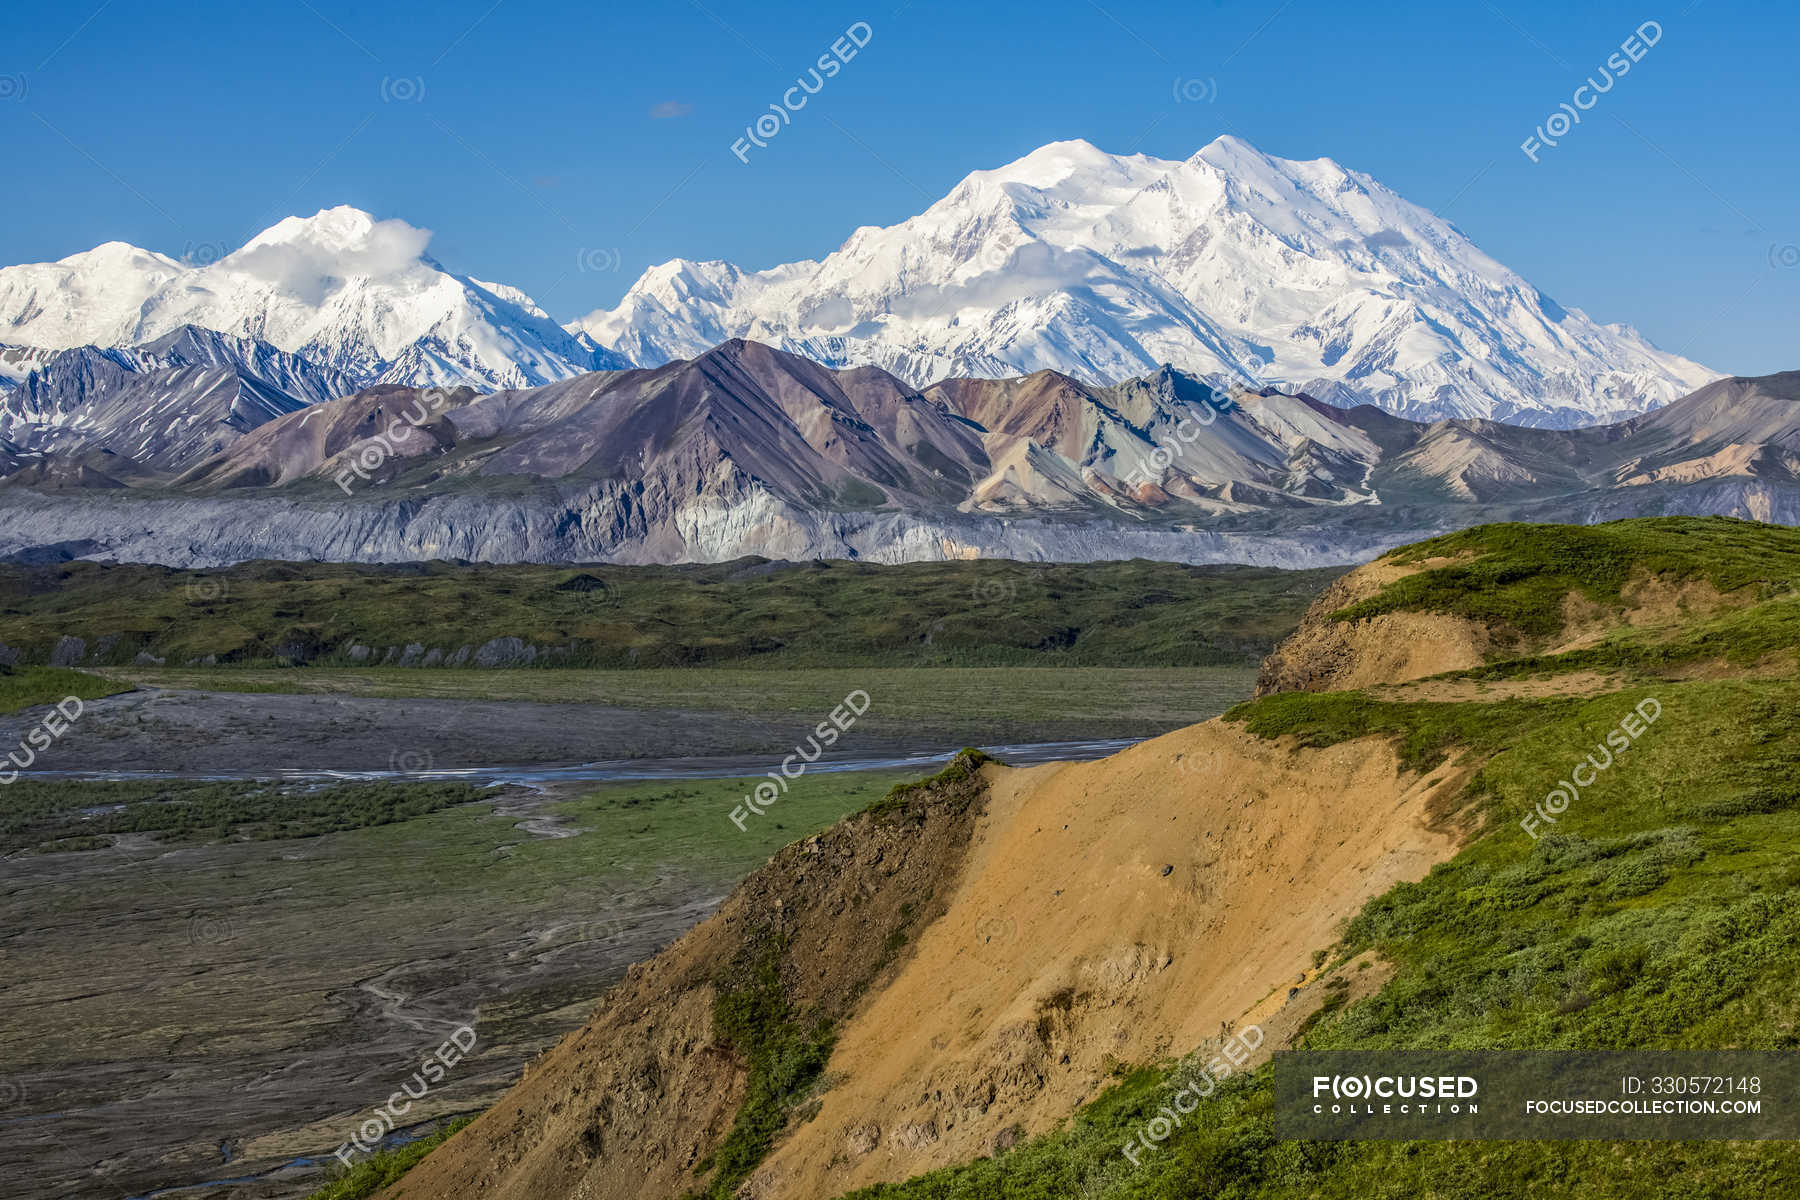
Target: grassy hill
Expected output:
[747,613]
[28,687]
[1661,910]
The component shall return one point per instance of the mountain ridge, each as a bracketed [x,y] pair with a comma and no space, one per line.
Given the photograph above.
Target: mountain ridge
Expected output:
[1236,265]
[747,449]
[157,407]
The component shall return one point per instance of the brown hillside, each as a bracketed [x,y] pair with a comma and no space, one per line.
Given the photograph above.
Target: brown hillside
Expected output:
[629,1104]
[1118,911]
[1076,916]
[1323,655]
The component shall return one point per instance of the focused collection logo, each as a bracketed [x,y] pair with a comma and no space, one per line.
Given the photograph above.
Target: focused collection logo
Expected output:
[1404,1094]
[1535,1095]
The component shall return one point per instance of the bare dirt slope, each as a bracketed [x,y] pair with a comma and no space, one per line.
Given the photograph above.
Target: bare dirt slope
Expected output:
[1324,655]
[1119,911]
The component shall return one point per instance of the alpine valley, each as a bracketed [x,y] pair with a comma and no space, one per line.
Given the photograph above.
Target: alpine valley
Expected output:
[1078,356]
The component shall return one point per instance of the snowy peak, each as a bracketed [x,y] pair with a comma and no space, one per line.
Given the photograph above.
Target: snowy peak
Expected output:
[118,257]
[342,229]
[312,258]
[1060,187]
[1233,264]
[356,295]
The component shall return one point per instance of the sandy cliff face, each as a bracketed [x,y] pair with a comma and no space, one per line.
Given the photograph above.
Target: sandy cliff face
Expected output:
[1120,911]
[1327,655]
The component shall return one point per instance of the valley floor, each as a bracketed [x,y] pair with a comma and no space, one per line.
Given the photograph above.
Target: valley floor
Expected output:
[197,722]
[192,1012]
[184,1011]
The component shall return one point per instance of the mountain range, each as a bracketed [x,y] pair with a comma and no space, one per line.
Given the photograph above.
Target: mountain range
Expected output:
[750,450]
[153,408]
[1075,356]
[350,294]
[1233,265]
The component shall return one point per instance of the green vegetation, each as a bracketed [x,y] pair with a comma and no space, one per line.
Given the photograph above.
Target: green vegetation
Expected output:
[959,770]
[67,815]
[1741,637]
[1660,910]
[1515,577]
[750,612]
[638,826]
[1425,733]
[377,1171]
[785,1052]
[28,687]
[917,693]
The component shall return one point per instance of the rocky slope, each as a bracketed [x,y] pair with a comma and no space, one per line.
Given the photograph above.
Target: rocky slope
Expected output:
[17,362]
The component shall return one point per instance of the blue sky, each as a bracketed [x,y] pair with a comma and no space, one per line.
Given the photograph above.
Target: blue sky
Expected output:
[563,147]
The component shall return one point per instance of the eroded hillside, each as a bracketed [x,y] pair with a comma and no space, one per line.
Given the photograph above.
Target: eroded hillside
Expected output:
[1070,918]
[1008,972]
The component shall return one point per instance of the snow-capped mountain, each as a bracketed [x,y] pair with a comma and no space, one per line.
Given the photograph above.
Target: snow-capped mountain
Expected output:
[1234,265]
[159,406]
[352,294]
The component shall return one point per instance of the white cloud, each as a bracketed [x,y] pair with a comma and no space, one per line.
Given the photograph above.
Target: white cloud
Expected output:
[311,259]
